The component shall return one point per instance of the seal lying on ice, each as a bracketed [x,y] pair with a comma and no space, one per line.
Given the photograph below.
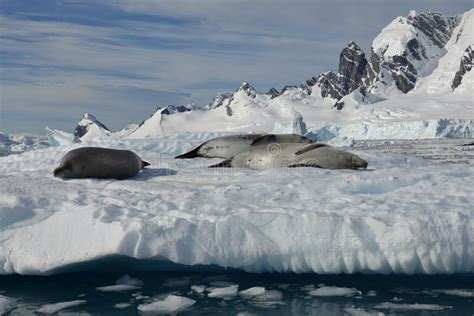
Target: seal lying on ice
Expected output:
[102,163]
[294,155]
[229,146]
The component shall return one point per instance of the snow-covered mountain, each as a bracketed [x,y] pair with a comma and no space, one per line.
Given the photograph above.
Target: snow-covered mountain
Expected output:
[419,73]
[89,127]
[405,52]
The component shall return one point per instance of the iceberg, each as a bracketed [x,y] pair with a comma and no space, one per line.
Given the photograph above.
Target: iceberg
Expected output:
[406,215]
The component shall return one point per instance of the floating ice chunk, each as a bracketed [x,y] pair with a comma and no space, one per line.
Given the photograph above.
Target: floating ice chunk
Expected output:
[252,292]
[54,308]
[7,304]
[396,299]
[122,305]
[127,280]
[198,288]
[352,311]
[334,291]
[117,288]
[269,296]
[371,293]
[125,283]
[170,304]
[139,296]
[269,299]
[221,292]
[457,292]
[416,306]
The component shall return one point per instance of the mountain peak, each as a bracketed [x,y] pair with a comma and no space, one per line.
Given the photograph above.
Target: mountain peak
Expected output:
[353,46]
[273,93]
[248,89]
[89,127]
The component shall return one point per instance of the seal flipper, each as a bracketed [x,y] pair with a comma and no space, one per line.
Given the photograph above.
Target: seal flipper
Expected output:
[310,147]
[279,138]
[190,154]
[303,165]
[264,139]
[145,163]
[223,164]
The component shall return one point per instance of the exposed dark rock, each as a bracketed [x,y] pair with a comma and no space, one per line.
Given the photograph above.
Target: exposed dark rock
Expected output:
[352,71]
[436,26]
[403,72]
[248,89]
[219,100]
[285,88]
[228,110]
[173,108]
[352,67]
[273,93]
[467,63]
[339,105]
[331,85]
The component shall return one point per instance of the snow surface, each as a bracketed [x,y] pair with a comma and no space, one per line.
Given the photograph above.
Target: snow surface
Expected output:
[407,215]
[198,288]
[439,81]
[54,308]
[7,304]
[171,304]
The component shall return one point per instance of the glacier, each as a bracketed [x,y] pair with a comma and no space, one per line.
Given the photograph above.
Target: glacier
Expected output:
[405,215]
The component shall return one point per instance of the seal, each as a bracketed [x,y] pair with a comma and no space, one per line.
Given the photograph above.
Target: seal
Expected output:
[98,162]
[228,146]
[284,155]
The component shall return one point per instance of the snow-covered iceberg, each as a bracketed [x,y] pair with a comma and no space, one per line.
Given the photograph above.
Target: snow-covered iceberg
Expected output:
[406,216]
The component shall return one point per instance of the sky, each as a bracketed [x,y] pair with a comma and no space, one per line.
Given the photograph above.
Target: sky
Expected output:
[120,59]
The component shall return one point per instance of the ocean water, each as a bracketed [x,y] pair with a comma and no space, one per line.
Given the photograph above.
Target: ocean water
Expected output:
[387,294]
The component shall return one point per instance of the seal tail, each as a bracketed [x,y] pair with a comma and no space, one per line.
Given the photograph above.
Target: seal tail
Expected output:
[191,154]
[145,163]
[223,164]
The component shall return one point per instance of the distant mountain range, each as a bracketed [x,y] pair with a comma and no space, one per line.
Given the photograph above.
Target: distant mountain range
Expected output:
[420,68]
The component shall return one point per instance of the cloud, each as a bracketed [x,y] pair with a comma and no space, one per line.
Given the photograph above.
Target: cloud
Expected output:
[121,58]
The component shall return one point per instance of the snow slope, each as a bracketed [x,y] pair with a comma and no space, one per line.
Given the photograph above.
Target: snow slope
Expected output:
[439,82]
[408,215]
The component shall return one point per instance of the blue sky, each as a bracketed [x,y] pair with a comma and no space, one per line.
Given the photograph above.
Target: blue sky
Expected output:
[119,59]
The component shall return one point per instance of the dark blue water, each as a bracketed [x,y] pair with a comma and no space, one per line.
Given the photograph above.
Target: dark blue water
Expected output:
[34,291]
